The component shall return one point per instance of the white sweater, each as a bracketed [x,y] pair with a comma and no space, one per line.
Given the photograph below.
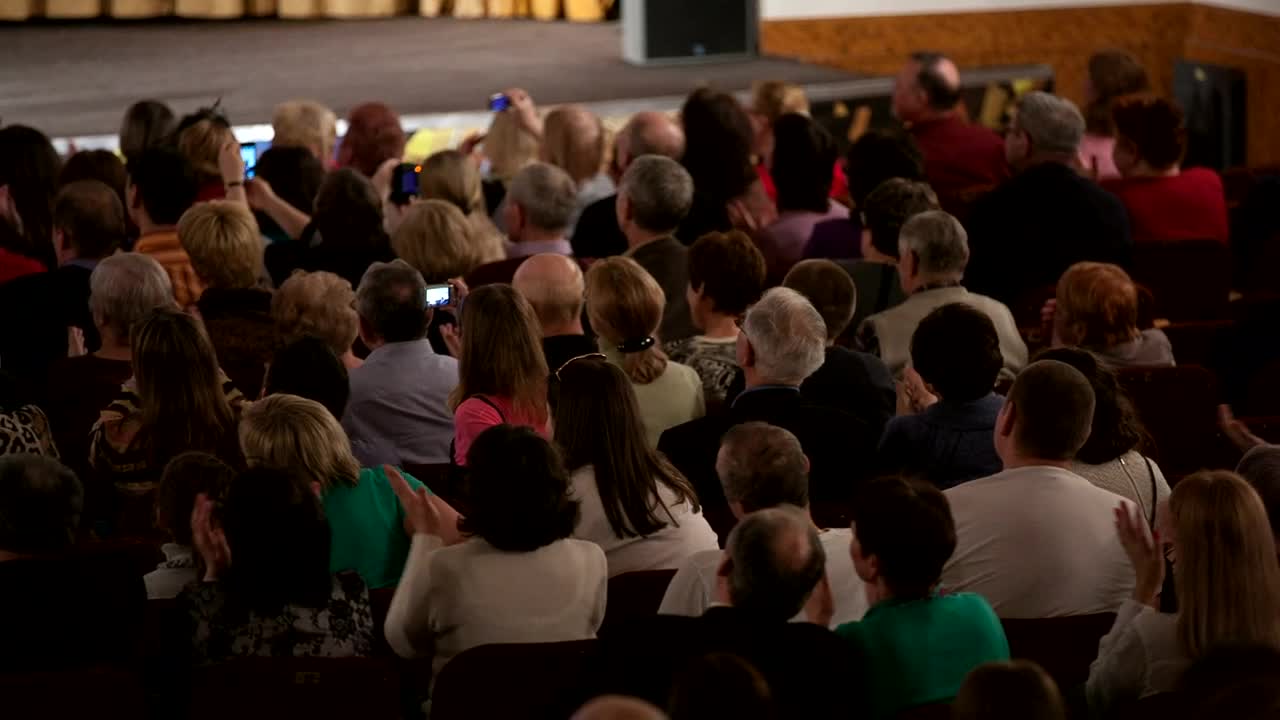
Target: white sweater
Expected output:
[454,598]
[666,549]
[1141,656]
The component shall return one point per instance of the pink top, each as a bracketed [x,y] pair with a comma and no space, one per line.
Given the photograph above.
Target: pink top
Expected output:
[474,416]
[1095,153]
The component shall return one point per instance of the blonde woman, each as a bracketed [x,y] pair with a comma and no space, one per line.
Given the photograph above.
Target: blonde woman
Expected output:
[574,140]
[286,432]
[624,304]
[453,177]
[305,124]
[1217,535]
[201,137]
[435,238]
[513,142]
[319,305]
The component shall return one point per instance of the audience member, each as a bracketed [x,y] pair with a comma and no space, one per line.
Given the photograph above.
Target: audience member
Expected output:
[184,479]
[726,276]
[399,411]
[625,306]
[373,137]
[1260,466]
[509,571]
[502,373]
[803,152]
[290,179]
[101,165]
[305,124]
[948,408]
[146,124]
[719,140]
[875,273]
[513,142]
[162,185]
[554,286]
[1097,309]
[436,239]
[1165,202]
[574,140]
[933,252]
[1048,217]
[916,645]
[634,504]
[598,233]
[1112,458]
[772,565]
[721,685]
[307,368]
[958,156]
[618,707]
[761,466]
[782,342]
[200,137]
[221,239]
[770,101]
[453,177]
[1112,74]
[1227,581]
[28,182]
[293,434]
[654,196]
[1015,690]
[177,400]
[538,208]
[847,380]
[1036,540]
[318,305]
[267,590]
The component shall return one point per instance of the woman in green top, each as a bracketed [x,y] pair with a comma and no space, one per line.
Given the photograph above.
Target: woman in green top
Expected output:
[367,522]
[916,644]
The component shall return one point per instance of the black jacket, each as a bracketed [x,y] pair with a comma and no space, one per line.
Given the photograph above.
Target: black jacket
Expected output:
[668,262]
[597,234]
[35,312]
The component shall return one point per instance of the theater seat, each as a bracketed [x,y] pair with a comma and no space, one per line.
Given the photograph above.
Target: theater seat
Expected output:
[105,693]
[1193,341]
[514,681]
[272,688]
[1179,408]
[1064,646]
[936,711]
[633,595]
[1190,279]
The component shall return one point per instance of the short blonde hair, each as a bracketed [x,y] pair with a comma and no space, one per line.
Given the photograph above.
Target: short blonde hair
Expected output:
[319,305]
[1097,306]
[574,140]
[201,143]
[453,177]
[509,145]
[222,239]
[624,305]
[435,238]
[287,432]
[773,98]
[307,124]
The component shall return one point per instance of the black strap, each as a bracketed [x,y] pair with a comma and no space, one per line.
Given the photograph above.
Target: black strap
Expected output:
[1151,471]
[503,416]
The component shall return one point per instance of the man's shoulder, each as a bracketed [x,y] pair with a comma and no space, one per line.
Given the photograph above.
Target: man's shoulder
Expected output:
[708,428]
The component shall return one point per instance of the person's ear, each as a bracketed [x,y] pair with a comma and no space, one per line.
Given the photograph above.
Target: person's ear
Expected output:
[1006,419]
[318,489]
[430,313]
[808,466]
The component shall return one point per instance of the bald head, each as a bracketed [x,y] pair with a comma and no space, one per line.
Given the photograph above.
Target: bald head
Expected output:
[650,133]
[553,285]
[928,85]
[618,707]
[574,140]
[774,561]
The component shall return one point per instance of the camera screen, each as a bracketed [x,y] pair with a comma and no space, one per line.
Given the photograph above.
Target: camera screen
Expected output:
[437,295]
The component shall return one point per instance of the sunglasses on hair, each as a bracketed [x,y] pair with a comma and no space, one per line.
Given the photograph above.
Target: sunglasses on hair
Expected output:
[212,113]
[572,360]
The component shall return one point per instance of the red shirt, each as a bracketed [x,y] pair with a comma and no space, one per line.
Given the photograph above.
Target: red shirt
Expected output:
[13,265]
[959,156]
[839,183]
[1187,206]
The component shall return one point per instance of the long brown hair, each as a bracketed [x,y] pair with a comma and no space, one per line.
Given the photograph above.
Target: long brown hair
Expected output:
[597,423]
[184,406]
[624,304]
[1227,579]
[501,351]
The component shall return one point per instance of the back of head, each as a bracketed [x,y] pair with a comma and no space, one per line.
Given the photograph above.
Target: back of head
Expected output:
[728,269]
[937,242]
[165,183]
[787,336]
[1112,74]
[654,133]
[942,90]
[200,137]
[294,173]
[90,217]
[721,685]
[517,491]
[319,305]
[502,350]
[374,136]
[1116,428]
[308,368]
[554,286]
[804,153]
[1232,681]
[186,476]
[304,124]
[29,167]
[40,504]
[348,211]
[287,432]
[907,526]
[625,304]
[390,301]
[1149,128]
[435,238]
[829,288]
[453,177]
[101,165]
[125,288]
[877,156]
[776,559]
[1097,306]
[1015,690]
[509,145]
[617,707]
[1228,582]
[956,350]
[719,141]
[1054,405]
[771,99]
[1054,124]
[659,192]
[573,139]
[890,205]
[762,466]
[546,194]
[1261,468]
[221,238]
[146,124]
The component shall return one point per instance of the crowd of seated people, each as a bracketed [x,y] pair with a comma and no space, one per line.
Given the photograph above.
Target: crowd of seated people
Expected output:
[304,414]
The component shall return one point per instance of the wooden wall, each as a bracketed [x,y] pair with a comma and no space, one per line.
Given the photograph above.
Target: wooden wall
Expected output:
[1063,38]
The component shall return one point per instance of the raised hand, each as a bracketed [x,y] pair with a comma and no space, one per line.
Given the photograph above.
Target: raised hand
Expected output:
[210,541]
[1143,548]
[425,513]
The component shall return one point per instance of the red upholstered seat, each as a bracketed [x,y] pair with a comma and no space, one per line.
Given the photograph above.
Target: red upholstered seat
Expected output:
[635,594]
[1063,646]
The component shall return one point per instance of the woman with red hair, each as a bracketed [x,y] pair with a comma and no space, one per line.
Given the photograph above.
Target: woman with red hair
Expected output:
[373,137]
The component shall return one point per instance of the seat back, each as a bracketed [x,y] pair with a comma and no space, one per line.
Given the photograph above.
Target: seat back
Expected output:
[1190,279]
[633,595]
[269,688]
[1193,341]
[1178,406]
[936,711]
[514,681]
[110,693]
[1063,646]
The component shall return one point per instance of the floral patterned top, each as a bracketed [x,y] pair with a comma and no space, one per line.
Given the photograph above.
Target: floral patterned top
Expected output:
[221,631]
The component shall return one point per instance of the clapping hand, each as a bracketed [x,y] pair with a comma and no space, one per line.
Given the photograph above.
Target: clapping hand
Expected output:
[1143,549]
[210,541]
[913,393]
[425,513]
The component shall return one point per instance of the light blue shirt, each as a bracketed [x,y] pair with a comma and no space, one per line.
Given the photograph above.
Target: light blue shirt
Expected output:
[398,412]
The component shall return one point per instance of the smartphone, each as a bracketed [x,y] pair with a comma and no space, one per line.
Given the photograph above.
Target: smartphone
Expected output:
[404,183]
[499,102]
[249,154]
[439,295]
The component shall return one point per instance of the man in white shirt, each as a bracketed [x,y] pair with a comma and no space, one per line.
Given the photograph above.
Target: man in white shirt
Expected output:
[1037,540]
[762,466]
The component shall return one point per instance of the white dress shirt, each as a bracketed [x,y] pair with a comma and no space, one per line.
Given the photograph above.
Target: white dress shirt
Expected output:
[1141,656]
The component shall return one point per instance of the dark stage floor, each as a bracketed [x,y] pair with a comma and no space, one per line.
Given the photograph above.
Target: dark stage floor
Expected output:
[77,79]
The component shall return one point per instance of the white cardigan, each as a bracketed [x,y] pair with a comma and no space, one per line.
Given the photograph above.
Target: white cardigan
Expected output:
[666,549]
[1139,657]
[454,598]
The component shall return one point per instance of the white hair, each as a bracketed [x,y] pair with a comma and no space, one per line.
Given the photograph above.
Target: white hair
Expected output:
[788,336]
[124,288]
[1053,123]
